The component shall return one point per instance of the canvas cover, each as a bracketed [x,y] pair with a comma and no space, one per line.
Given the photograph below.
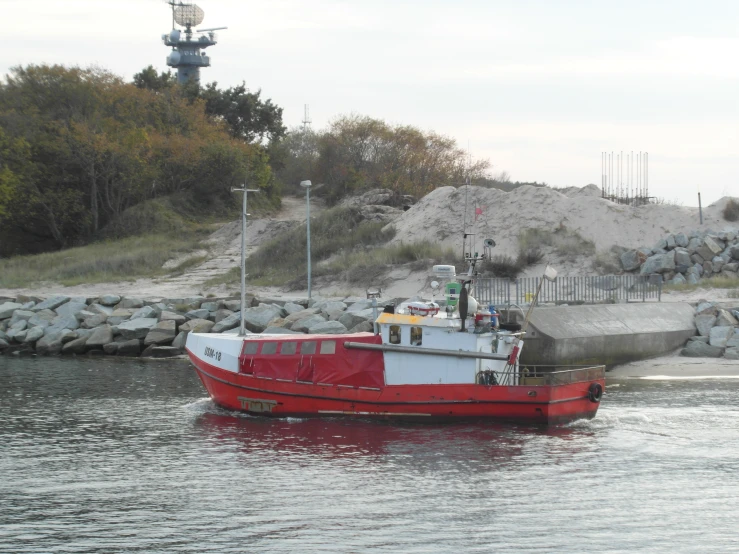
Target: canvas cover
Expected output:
[358,368]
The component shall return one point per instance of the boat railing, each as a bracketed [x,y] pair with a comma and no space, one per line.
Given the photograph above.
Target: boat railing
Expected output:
[560,375]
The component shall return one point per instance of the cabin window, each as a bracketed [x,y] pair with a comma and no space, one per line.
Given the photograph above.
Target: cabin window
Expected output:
[328,347]
[269,348]
[251,347]
[395,334]
[308,347]
[288,348]
[416,336]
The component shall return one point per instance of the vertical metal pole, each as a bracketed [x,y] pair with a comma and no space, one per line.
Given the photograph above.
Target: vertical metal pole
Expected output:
[246,191]
[700,207]
[307,211]
[242,328]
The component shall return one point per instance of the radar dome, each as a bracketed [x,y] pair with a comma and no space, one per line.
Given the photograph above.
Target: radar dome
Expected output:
[174,36]
[173,58]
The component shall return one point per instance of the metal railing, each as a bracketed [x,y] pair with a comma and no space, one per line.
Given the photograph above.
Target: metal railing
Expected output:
[601,289]
[553,375]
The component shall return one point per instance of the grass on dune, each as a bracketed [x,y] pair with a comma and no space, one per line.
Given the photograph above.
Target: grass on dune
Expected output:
[100,262]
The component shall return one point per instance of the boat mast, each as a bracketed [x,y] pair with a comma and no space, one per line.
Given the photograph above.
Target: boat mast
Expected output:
[246,191]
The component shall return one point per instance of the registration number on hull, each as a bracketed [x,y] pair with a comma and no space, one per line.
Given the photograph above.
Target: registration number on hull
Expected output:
[214,354]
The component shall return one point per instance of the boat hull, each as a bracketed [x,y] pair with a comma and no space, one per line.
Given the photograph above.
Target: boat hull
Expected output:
[543,404]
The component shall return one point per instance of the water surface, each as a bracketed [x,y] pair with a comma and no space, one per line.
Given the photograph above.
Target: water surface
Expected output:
[106,455]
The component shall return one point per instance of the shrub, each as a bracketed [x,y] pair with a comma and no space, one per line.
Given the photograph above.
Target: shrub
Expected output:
[503,267]
[731,210]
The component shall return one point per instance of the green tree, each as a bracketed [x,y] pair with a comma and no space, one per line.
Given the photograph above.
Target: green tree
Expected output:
[149,79]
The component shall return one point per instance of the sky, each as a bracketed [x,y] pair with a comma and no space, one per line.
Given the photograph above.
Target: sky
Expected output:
[540,88]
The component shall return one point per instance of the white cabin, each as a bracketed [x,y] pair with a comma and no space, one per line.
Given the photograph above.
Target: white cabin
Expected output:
[441,333]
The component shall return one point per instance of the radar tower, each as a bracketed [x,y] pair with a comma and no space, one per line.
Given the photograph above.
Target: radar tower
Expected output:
[188,51]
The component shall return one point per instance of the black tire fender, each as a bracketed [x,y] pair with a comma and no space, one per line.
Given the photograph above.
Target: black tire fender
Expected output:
[595,392]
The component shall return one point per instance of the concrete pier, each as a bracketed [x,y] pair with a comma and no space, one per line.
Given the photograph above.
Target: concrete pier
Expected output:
[606,334]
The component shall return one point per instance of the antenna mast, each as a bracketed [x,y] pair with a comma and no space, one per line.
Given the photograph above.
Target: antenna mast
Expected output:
[306,118]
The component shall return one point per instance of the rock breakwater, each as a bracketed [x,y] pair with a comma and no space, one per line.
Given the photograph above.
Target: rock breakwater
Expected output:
[688,258]
[126,326]
[718,332]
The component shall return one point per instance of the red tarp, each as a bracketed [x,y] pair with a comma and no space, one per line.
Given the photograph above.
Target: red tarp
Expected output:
[359,368]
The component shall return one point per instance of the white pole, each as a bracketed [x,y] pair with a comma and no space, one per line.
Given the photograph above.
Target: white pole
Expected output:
[307,185]
[246,191]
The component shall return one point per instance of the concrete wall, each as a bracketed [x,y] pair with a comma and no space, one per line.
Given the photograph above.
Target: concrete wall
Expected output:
[606,334]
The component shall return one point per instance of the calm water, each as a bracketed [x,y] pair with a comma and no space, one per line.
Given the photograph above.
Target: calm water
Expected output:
[109,456]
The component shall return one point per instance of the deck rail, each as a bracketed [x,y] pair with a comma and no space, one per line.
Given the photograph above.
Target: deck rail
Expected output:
[552,375]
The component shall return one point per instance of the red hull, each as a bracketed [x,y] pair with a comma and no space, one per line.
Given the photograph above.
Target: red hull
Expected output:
[547,404]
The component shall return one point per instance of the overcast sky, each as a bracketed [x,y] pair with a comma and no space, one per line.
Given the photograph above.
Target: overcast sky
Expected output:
[538,87]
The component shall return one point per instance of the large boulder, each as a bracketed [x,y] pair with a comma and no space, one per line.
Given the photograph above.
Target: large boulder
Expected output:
[232,321]
[280,331]
[327,328]
[714,244]
[197,314]
[291,319]
[364,327]
[62,322]
[719,336]
[100,336]
[20,315]
[130,304]
[120,315]
[94,321]
[328,306]
[33,334]
[100,309]
[136,328]
[697,349]
[70,308]
[76,346]
[706,308]
[292,307]
[197,326]
[109,300]
[659,263]
[172,316]
[129,348]
[732,354]
[146,312]
[51,303]
[155,351]
[220,315]
[681,239]
[633,259]
[682,257]
[725,318]
[351,319]
[735,252]
[257,319]
[42,319]
[7,309]
[306,323]
[52,343]
[163,332]
[180,340]
[704,324]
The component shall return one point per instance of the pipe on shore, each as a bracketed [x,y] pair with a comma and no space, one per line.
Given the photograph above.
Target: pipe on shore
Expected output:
[426,351]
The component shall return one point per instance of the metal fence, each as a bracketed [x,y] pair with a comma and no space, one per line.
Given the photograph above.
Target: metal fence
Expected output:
[570,290]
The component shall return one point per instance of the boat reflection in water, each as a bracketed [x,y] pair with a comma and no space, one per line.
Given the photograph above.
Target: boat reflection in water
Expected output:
[336,438]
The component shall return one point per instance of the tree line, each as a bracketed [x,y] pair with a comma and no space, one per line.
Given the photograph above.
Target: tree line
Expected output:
[356,153]
[79,147]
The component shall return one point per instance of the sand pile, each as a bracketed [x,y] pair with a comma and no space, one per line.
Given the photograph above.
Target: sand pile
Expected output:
[440,216]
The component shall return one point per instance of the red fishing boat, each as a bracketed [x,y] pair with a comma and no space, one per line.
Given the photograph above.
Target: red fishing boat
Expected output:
[423,364]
